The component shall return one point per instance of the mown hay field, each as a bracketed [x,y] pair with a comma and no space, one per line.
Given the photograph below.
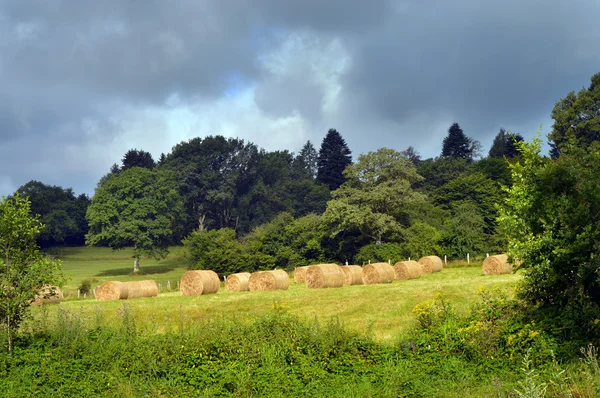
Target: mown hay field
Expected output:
[384,311]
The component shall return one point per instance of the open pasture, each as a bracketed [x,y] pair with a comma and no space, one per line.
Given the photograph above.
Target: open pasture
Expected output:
[384,311]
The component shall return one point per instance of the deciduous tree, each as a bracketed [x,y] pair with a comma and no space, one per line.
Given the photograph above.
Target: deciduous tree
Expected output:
[137,207]
[24,271]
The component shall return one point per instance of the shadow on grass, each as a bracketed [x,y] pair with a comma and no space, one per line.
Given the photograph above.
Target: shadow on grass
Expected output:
[148,270]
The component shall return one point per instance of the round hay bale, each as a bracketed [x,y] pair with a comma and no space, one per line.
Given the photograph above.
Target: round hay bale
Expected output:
[112,290]
[352,274]
[324,275]
[431,264]
[497,265]
[237,282]
[405,270]
[45,296]
[137,289]
[300,274]
[378,273]
[194,283]
[268,280]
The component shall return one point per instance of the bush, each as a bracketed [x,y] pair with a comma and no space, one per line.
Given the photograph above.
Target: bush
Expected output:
[85,287]
[380,253]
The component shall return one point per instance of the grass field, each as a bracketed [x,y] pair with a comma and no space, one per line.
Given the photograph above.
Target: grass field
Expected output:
[382,311]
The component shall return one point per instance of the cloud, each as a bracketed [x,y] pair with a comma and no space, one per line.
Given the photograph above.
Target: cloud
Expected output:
[82,82]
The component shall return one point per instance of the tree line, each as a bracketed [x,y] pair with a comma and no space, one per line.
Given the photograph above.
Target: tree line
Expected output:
[274,206]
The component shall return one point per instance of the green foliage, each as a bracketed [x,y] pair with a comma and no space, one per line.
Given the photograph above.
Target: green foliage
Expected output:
[421,239]
[85,287]
[576,118]
[458,145]
[382,252]
[291,242]
[376,198]
[439,171]
[551,220]
[23,269]
[466,231]
[61,212]
[217,250]
[505,145]
[137,158]
[334,157]
[137,207]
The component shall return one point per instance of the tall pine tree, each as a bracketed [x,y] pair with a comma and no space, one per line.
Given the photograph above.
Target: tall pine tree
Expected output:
[505,145]
[305,163]
[334,156]
[458,145]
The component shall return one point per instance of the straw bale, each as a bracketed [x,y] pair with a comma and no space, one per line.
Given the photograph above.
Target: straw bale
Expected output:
[269,280]
[324,275]
[237,282]
[300,274]
[44,296]
[198,282]
[137,289]
[352,274]
[497,265]
[378,273]
[407,270]
[431,264]
[112,290]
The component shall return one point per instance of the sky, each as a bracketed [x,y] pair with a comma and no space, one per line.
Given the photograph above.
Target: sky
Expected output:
[83,81]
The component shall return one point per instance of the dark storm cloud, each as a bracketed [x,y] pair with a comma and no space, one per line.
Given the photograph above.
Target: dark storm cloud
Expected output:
[386,73]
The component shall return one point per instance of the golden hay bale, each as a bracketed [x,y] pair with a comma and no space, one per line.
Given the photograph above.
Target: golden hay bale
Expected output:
[45,296]
[431,264]
[352,274]
[237,282]
[324,275]
[269,280]
[407,270]
[112,290]
[198,282]
[300,274]
[378,273]
[497,265]
[137,289]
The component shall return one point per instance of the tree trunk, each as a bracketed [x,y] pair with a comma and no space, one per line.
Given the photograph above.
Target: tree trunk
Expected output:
[136,264]
[9,334]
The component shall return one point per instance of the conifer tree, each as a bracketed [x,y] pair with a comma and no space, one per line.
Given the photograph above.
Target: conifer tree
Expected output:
[334,156]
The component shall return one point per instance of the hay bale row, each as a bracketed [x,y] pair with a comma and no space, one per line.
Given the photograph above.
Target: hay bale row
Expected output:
[352,274]
[237,282]
[405,270]
[497,265]
[114,290]
[194,283]
[47,296]
[431,264]
[300,274]
[269,280]
[324,276]
[378,273]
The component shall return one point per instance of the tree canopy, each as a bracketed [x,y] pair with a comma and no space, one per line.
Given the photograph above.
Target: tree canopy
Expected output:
[137,207]
[576,117]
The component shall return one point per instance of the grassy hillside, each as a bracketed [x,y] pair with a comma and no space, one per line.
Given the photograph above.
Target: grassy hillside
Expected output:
[382,311]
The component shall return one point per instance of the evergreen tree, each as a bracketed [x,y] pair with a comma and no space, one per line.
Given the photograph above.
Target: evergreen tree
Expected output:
[137,158]
[311,158]
[412,155]
[334,156]
[498,148]
[504,145]
[458,145]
